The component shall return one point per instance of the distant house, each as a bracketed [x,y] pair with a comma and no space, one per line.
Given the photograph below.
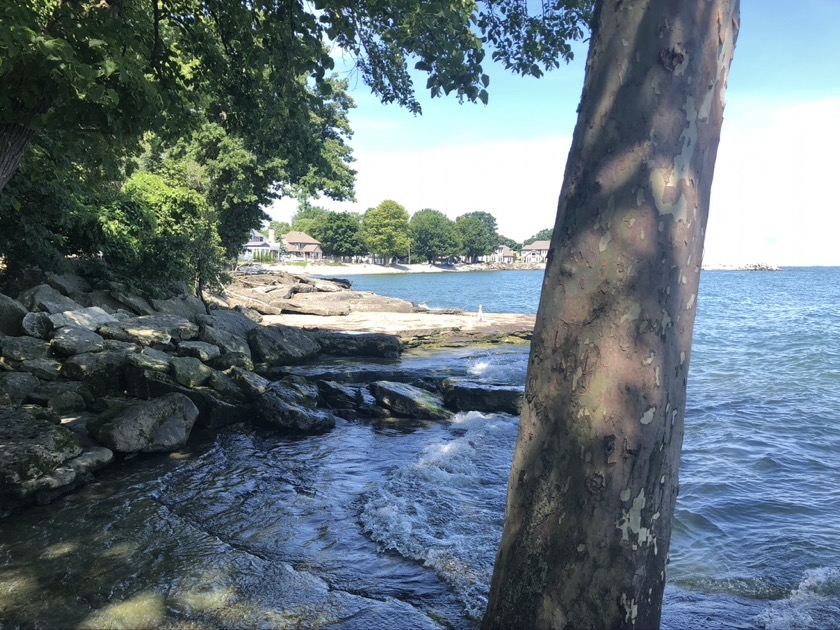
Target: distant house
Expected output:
[536,251]
[261,246]
[503,254]
[301,246]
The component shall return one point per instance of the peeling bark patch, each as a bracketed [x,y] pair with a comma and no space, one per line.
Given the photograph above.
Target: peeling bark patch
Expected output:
[674,59]
[690,302]
[647,418]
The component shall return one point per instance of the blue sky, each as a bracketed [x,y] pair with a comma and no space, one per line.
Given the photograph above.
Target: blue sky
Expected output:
[771,200]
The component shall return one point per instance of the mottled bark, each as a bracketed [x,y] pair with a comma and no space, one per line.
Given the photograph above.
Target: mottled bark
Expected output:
[595,474]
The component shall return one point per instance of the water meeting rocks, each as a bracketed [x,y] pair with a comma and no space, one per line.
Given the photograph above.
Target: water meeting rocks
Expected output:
[410,401]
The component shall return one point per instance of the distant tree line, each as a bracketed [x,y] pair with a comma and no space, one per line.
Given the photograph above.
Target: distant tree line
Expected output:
[388,232]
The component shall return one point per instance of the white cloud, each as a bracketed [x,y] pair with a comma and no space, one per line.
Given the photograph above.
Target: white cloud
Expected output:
[517,182]
[772,199]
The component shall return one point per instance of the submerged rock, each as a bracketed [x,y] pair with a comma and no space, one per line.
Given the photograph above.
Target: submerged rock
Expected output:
[288,406]
[410,401]
[466,395]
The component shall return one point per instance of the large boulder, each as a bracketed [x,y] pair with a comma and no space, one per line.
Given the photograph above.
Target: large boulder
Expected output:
[44,298]
[149,330]
[187,306]
[37,325]
[410,401]
[134,303]
[232,321]
[466,395]
[226,341]
[70,340]
[149,359]
[321,309]
[44,368]
[286,406]
[189,371]
[358,345]
[18,386]
[201,350]
[67,283]
[23,348]
[281,345]
[91,318]
[12,313]
[101,371]
[219,405]
[159,425]
[349,401]
[35,457]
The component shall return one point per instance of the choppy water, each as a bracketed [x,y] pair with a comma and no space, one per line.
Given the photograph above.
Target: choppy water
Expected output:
[396,524]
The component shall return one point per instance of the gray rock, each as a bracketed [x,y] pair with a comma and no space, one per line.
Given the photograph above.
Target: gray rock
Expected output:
[67,283]
[407,400]
[187,306]
[70,340]
[102,371]
[151,329]
[241,298]
[134,303]
[214,409]
[18,386]
[37,325]
[32,449]
[234,359]
[227,341]
[91,318]
[225,386]
[281,345]
[47,369]
[281,407]
[66,402]
[149,359]
[12,313]
[361,345]
[321,309]
[338,396]
[44,298]
[199,349]
[100,298]
[24,348]
[465,395]
[230,321]
[252,385]
[123,347]
[189,371]
[159,425]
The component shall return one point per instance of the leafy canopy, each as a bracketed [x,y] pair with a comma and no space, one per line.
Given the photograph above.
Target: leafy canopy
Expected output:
[434,235]
[385,230]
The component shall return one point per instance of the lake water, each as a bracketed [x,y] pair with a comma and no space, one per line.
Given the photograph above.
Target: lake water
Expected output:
[396,524]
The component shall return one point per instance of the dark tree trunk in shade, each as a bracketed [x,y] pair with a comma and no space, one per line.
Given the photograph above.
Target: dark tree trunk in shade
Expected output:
[595,473]
[14,142]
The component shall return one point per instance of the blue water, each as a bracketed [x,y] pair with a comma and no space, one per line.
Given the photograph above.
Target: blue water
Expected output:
[494,291]
[397,523]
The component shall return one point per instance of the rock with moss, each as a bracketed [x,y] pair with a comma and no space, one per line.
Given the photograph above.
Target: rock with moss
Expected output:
[18,386]
[201,350]
[466,395]
[34,451]
[407,400]
[189,371]
[23,348]
[69,340]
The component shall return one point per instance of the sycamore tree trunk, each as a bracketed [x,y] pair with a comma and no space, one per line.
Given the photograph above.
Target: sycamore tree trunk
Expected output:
[595,473]
[14,142]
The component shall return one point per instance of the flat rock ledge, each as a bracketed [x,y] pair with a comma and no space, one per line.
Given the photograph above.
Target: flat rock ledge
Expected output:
[90,375]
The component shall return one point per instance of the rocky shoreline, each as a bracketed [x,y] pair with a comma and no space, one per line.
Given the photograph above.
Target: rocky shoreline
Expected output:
[90,376]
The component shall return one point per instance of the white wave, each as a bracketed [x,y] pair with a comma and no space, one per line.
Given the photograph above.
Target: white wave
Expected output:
[445,509]
[814,603]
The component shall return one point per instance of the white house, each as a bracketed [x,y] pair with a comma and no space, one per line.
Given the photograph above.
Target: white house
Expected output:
[503,254]
[301,246]
[536,251]
[261,246]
